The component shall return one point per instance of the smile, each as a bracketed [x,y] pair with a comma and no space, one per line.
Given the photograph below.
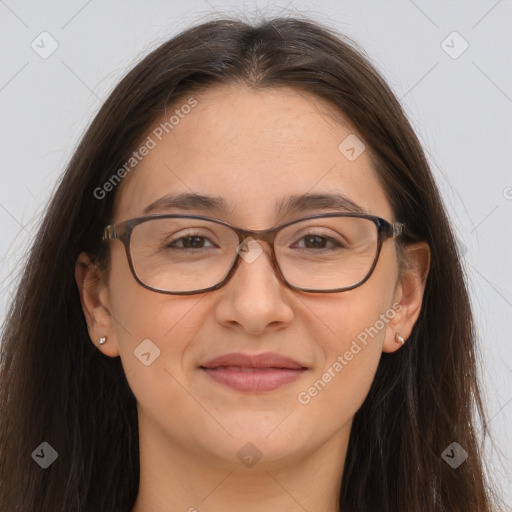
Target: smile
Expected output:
[264,372]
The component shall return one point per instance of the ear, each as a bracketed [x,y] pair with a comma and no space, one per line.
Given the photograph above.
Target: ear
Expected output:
[408,296]
[95,300]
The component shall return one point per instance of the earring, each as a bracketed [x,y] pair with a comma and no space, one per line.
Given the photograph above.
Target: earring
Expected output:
[399,339]
[102,340]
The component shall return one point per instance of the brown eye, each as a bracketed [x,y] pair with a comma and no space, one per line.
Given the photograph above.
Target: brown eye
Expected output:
[191,242]
[315,242]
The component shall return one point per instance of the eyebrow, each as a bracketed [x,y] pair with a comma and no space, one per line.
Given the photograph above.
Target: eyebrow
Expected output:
[290,205]
[319,201]
[187,201]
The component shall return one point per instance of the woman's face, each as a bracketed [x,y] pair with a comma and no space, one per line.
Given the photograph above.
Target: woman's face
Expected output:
[253,149]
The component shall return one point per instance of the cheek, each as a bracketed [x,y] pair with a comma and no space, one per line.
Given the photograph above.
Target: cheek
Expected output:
[153,347]
[139,313]
[358,317]
[153,330]
[351,351]
[351,347]
[335,391]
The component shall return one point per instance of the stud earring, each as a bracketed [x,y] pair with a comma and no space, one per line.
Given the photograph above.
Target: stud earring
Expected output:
[399,339]
[102,340]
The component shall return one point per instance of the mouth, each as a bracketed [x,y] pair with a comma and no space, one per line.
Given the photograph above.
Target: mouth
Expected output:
[263,372]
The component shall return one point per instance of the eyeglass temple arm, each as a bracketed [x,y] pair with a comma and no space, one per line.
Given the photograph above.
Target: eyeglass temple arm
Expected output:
[109,233]
[397,229]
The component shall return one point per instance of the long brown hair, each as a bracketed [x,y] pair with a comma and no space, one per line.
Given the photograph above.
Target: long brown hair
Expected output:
[56,387]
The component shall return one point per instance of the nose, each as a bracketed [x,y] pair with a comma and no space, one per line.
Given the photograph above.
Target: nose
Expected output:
[254,299]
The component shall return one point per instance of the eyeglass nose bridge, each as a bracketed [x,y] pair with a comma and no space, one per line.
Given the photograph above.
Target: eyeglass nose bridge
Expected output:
[264,235]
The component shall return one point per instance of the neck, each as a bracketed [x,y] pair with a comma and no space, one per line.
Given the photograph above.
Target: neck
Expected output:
[176,477]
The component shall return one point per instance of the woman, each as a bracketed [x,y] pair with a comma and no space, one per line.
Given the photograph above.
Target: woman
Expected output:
[245,295]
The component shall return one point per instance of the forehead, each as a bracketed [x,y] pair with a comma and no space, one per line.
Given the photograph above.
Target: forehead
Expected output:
[254,149]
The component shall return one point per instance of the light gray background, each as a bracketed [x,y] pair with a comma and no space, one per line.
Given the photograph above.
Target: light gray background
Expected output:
[461,109]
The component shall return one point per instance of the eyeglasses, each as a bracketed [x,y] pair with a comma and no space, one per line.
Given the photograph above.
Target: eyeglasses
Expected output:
[188,254]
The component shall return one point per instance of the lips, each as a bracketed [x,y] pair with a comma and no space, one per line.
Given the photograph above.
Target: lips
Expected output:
[253,373]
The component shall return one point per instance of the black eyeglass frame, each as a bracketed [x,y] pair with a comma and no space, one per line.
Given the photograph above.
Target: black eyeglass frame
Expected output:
[122,231]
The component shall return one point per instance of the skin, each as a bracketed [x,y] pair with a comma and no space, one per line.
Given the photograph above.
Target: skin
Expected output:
[253,148]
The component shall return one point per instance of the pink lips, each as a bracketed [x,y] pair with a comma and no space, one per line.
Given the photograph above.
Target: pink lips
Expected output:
[262,372]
